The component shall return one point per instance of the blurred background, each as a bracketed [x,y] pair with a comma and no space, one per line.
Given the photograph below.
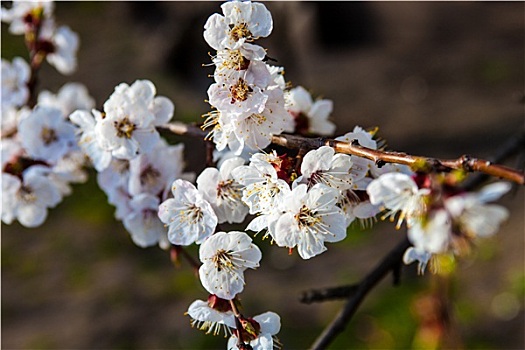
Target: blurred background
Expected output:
[439,78]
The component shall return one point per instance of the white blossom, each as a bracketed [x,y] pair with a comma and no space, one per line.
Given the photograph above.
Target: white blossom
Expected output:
[311,219]
[471,213]
[16,15]
[209,319]
[323,165]
[225,256]
[65,47]
[267,325]
[313,114]
[46,135]
[142,222]
[221,190]
[128,128]
[262,187]
[87,138]
[70,97]
[154,172]
[189,217]
[433,234]
[243,22]
[417,254]
[399,192]
[27,200]
[15,77]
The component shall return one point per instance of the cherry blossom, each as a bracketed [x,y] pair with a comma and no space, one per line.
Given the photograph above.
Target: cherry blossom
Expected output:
[46,135]
[473,215]
[311,218]
[16,15]
[70,97]
[223,192]
[189,217]
[399,192]
[15,77]
[142,222]
[225,256]
[310,117]
[243,22]
[212,316]
[259,332]
[128,128]
[28,199]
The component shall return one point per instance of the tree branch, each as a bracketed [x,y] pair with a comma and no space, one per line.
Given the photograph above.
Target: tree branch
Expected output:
[417,163]
[338,324]
[333,293]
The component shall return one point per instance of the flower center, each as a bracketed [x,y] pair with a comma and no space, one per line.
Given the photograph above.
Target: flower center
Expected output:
[149,176]
[228,190]
[124,128]
[240,91]
[26,194]
[306,217]
[223,260]
[191,215]
[240,31]
[49,136]
[236,60]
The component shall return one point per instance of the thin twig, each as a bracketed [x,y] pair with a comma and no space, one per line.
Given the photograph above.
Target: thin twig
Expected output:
[417,163]
[326,294]
[339,323]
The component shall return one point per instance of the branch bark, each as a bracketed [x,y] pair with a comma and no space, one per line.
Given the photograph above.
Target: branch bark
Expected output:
[417,163]
[338,324]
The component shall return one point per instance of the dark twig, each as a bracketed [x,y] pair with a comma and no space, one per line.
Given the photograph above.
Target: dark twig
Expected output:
[333,293]
[417,163]
[388,264]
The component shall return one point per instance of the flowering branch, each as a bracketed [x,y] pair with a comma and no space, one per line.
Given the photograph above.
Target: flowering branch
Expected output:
[418,163]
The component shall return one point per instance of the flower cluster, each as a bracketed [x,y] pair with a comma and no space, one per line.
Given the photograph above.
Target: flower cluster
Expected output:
[40,156]
[34,19]
[247,96]
[440,219]
[126,149]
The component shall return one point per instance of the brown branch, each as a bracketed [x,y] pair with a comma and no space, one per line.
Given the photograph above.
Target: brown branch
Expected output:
[338,324]
[417,163]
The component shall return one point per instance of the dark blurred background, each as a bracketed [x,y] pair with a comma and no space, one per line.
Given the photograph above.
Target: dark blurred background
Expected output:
[439,79]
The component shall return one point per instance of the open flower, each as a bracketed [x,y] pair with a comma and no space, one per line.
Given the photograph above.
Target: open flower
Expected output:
[474,216]
[128,128]
[212,316]
[189,217]
[223,192]
[324,166]
[311,218]
[259,331]
[310,117]
[46,135]
[143,223]
[15,77]
[243,22]
[27,200]
[225,256]
[399,192]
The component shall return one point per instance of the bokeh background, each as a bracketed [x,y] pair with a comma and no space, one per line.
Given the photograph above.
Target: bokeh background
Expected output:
[439,79]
